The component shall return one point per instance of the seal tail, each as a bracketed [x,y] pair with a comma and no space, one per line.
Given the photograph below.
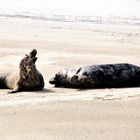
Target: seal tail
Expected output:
[2,80]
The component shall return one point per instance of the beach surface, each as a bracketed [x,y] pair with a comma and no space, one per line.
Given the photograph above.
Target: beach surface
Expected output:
[61,113]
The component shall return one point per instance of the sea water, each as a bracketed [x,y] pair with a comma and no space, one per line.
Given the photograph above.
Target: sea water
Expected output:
[95,11]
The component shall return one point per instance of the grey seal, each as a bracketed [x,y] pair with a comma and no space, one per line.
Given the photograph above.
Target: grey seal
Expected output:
[98,76]
[27,78]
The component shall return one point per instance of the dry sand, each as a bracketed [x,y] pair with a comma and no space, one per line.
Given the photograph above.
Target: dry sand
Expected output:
[73,120]
[60,113]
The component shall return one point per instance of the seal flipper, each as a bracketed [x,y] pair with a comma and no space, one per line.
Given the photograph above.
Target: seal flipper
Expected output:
[74,78]
[14,90]
[2,80]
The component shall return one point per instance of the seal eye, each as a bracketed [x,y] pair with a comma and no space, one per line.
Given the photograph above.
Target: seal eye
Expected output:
[78,70]
[86,74]
[57,76]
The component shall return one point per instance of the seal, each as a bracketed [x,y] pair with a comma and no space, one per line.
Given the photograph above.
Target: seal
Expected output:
[27,78]
[98,76]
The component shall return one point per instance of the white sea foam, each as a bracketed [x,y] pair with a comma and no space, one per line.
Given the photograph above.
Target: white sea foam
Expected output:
[114,11]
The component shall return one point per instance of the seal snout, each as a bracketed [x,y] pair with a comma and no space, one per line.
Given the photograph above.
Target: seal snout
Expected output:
[33,53]
[52,81]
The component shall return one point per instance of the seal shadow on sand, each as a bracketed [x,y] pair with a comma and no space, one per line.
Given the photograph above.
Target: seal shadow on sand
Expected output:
[89,89]
[46,90]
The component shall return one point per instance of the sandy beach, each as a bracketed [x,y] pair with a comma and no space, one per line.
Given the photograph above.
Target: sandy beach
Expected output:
[68,114]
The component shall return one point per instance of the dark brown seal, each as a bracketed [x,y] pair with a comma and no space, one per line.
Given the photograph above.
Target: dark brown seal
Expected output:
[99,76]
[28,78]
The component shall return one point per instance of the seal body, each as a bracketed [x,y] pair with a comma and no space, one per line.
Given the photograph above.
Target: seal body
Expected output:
[99,76]
[27,78]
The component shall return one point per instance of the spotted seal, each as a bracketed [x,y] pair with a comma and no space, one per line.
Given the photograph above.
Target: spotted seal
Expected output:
[27,78]
[98,76]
